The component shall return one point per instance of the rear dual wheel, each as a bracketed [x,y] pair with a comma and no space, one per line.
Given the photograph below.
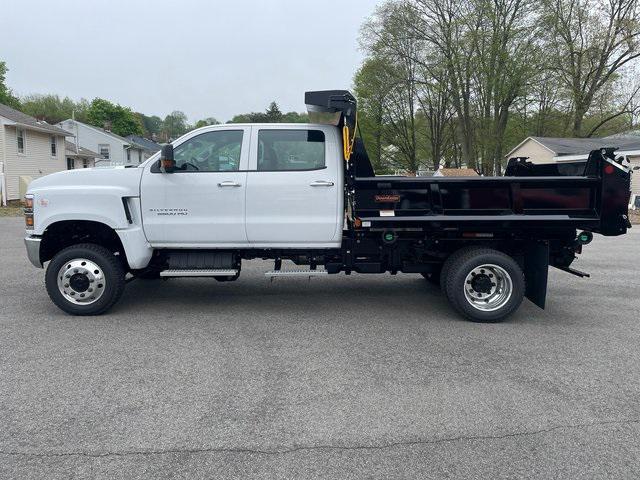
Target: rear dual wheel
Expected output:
[483,284]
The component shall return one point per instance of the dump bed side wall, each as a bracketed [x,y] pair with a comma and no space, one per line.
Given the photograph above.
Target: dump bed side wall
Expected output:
[430,201]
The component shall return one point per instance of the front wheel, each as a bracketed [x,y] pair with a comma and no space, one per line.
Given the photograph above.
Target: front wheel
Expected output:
[484,285]
[85,279]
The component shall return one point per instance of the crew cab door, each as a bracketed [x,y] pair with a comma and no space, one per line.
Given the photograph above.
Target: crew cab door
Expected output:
[202,203]
[294,187]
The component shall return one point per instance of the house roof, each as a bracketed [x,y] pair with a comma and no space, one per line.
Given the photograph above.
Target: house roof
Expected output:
[27,121]
[81,152]
[457,172]
[580,146]
[101,130]
[145,143]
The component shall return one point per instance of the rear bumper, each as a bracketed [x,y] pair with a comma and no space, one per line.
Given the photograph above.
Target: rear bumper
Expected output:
[33,250]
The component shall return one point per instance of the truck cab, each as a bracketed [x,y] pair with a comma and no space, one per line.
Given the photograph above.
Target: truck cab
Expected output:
[247,186]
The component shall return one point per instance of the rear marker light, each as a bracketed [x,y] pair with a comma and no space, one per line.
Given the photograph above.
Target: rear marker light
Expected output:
[609,169]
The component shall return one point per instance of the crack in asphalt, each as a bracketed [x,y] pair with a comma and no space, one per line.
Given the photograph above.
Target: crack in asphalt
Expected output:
[294,449]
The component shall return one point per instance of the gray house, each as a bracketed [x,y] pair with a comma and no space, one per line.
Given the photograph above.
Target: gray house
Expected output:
[113,149]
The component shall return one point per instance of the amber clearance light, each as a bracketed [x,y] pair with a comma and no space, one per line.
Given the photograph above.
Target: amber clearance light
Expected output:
[28,212]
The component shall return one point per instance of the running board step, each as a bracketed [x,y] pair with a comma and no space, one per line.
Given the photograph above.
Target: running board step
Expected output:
[199,273]
[295,273]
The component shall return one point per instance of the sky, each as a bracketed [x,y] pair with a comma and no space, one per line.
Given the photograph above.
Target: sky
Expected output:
[207,58]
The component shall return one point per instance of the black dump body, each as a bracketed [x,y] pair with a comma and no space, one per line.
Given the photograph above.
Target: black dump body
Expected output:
[532,202]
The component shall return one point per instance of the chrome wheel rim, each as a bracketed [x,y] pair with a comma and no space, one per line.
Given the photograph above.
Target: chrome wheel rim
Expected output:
[488,287]
[81,281]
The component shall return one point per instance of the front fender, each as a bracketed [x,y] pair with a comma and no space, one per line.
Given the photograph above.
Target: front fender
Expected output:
[99,204]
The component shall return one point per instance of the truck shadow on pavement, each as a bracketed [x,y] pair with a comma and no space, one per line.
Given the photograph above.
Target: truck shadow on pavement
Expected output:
[399,297]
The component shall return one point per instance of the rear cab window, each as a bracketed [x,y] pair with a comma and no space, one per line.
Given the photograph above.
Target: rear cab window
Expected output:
[290,150]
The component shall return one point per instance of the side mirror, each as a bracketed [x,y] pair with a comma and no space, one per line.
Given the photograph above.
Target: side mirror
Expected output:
[167,163]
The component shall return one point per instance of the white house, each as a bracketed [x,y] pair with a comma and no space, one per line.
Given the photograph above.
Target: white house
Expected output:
[149,147]
[78,157]
[112,149]
[28,148]
[560,150]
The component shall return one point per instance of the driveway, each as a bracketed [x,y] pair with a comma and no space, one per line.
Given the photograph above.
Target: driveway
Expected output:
[337,377]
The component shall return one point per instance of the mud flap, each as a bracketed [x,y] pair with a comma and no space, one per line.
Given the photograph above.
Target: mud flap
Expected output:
[536,271]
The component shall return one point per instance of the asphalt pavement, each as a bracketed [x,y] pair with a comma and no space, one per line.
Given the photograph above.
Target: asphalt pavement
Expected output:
[368,376]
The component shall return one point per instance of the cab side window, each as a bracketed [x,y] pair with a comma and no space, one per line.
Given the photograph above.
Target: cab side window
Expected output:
[282,150]
[217,151]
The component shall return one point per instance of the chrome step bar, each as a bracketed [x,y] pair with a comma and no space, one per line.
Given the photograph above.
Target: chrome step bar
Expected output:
[227,272]
[295,273]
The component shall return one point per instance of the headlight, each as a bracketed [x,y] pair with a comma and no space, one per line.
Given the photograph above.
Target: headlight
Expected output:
[28,212]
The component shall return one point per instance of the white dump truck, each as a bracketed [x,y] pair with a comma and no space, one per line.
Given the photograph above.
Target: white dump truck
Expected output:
[306,193]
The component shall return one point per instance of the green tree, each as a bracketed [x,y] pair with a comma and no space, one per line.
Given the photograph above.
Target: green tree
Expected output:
[6,95]
[590,42]
[252,117]
[174,125]
[206,122]
[53,109]
[120,120]
[385,38]
[371,92]
[295,117]
[273,113]
[152,124]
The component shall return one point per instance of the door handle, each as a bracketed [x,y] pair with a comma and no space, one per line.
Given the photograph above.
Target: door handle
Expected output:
[321,183]
[229,183]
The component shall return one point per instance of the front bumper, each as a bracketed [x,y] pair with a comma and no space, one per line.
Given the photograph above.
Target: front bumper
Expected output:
[33,250]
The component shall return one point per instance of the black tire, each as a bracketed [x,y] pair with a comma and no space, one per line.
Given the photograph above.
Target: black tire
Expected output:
[446,266]
[112,270]
[463,263]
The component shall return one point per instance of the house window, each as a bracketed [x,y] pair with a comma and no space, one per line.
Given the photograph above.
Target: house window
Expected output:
[54,146]
[85,163]
[105,151]
[70,163]
[21,140]
[128,155]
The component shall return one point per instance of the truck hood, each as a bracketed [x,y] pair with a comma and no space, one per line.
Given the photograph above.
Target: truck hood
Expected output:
[88,180]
